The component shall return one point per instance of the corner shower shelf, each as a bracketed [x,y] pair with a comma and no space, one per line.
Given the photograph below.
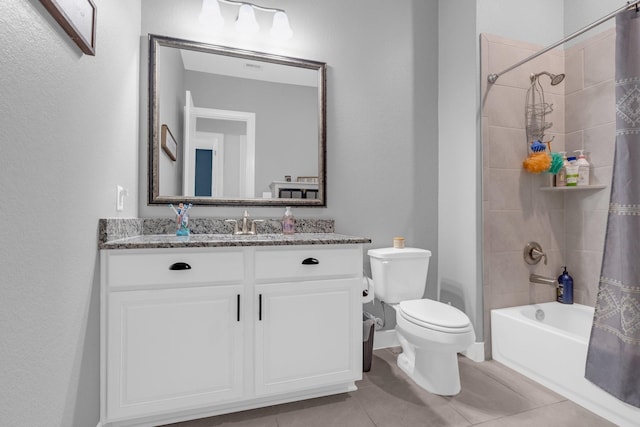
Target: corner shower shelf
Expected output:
[576,188]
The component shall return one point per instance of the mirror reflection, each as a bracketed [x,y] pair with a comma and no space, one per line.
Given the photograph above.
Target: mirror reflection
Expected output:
[236,127]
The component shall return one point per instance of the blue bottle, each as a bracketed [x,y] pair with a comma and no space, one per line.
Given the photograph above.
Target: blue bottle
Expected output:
[565,288]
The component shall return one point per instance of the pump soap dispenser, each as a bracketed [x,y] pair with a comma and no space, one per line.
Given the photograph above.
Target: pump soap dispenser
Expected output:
[583,168]
[288,222]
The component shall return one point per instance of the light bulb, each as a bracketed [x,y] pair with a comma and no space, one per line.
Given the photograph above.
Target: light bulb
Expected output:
[246,23]
[281,29]
[210,14]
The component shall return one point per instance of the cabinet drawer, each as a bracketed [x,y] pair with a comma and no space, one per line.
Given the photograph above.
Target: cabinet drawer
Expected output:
[129,268]
[308,263]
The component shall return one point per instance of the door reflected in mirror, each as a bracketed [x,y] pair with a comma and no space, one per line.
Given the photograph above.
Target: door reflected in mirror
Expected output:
[242,121]
[219,147]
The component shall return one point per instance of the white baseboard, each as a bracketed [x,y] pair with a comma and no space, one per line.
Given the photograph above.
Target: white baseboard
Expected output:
[475,352]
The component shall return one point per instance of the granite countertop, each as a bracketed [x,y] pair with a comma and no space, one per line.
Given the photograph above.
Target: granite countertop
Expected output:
[219,240]
[139,233]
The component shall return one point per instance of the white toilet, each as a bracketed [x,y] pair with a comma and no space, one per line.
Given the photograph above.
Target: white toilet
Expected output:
[431,333]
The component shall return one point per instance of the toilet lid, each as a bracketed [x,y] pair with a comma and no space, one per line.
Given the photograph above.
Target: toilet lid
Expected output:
[434,313]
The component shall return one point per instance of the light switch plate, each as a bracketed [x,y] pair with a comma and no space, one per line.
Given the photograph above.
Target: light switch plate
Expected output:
[120,193]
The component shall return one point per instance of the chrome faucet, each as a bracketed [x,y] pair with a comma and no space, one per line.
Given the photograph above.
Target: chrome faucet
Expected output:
[248,226]
[536,278]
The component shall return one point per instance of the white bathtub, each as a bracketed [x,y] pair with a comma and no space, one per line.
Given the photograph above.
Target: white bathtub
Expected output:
[553,352]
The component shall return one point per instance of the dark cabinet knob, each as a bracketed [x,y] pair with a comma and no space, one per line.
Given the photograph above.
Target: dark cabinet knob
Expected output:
[180,266]
[310,261]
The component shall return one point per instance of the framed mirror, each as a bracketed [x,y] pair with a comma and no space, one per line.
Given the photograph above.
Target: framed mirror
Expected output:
[235,127]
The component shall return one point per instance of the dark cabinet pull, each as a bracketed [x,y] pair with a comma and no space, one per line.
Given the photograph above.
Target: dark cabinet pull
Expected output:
[260,307]
[310,261]
[180,266]
[238,307]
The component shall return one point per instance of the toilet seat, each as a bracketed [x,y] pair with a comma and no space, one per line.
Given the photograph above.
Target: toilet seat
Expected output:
[435,315]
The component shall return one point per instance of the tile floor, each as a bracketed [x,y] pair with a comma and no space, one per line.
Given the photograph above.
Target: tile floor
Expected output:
[492,396]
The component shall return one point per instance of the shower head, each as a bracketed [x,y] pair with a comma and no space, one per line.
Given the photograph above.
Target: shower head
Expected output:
[556,79]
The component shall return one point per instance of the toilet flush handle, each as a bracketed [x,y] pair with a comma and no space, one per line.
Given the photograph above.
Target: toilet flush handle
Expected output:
[385,266]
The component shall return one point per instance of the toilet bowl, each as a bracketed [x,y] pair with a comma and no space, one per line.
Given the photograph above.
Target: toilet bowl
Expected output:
[430,344]
[431,333]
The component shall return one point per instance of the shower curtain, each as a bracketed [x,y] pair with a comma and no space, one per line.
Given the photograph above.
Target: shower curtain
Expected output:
[613,359]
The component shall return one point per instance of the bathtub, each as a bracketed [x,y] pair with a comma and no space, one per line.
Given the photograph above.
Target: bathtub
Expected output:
[553,352]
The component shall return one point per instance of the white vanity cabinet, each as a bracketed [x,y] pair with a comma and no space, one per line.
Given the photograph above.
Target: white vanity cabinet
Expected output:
[309,314]
[193,332]
[172,339]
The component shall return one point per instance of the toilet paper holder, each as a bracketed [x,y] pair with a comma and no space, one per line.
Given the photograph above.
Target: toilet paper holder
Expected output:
[367,290]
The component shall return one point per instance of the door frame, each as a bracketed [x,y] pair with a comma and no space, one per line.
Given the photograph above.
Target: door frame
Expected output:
[192,113]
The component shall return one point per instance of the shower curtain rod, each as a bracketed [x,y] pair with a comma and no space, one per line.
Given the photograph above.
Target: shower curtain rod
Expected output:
[493,77]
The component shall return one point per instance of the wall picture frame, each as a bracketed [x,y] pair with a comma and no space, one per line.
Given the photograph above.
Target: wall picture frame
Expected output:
[78,19]
[169,143]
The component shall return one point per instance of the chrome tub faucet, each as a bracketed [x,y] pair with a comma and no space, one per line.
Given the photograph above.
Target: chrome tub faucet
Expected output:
[543,280]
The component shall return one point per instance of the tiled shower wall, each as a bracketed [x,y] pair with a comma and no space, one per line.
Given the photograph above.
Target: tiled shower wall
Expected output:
[590,124]
[569,226]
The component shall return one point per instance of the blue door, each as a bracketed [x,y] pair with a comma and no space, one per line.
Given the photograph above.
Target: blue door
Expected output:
[204,173]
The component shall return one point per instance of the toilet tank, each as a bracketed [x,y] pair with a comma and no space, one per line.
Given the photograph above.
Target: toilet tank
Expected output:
[399,274]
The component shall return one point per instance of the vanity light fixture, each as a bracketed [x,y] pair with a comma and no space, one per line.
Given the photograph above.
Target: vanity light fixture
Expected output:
[211,15]
[246,22]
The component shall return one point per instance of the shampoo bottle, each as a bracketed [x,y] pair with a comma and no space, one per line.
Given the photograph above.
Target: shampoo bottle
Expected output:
[288,222]
[572,172]
[565,288]
[583,168]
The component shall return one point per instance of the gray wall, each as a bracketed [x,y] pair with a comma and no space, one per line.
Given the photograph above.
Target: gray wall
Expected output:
[172,98]
[69,136]
[459,193]
[540,23]
[579,13]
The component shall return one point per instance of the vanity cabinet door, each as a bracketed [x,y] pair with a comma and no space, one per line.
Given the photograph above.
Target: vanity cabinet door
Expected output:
[170,349]
[308,334]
